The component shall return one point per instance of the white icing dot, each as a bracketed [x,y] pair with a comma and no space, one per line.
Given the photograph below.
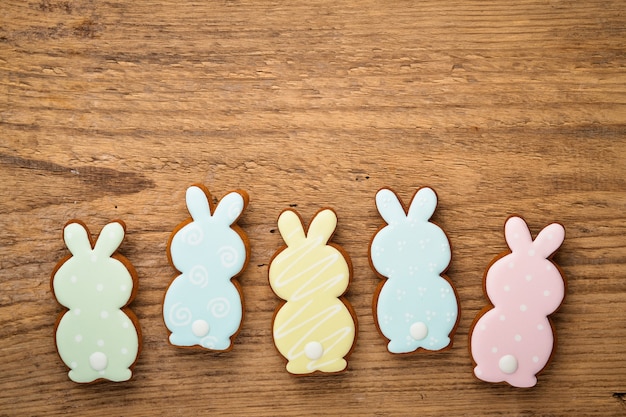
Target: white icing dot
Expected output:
[122,287]
[529,277]
[418,330]
[483,327]
[78,338]
[124,351]
[99,287]
[104,314]
[125,325]
[531,252]
[100,342]
[101,372]
[502,317]
[73,279]
[314,350]
[516,236]
[77,311]
[546,293]
[508,364]
[200,328]
[511,265]
[94,257]
[540,327]
[478,372]
[494,349]
[535,359]
[73,365]
[507,288]
[98,361]
[523,307]
[518,338]
[548,267]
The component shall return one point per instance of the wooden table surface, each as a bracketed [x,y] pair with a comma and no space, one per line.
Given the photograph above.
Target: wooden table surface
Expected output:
[111,109]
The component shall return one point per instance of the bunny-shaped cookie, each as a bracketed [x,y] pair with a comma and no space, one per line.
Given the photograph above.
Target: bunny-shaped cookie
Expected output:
[315,329]
[416,306]
[97,338]
[513,340]
[203,305]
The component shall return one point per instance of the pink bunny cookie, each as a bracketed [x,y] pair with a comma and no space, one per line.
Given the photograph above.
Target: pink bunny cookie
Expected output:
[513,340]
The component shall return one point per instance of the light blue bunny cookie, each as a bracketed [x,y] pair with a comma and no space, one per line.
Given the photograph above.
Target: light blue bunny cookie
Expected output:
[203,306]
[416,306]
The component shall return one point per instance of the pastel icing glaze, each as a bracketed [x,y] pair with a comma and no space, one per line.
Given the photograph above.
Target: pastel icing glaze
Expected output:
[203,305]
[513,340]
[97,338]
[315,329]
[416,307]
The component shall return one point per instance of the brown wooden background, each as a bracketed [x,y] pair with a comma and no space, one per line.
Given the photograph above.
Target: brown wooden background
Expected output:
[110,109]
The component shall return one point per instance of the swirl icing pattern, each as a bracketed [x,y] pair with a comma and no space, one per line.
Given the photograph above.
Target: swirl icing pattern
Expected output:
[416,307]
[315,328]
[179,315]
[203,306]
[97,337]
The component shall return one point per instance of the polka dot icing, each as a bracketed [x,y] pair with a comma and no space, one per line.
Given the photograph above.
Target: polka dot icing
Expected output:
[203,305]
[90,335]
[417,273]
[524,288]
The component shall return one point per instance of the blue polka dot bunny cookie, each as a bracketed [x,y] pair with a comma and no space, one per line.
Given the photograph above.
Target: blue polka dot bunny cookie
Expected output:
[416,306]
[98,337]
[203,306]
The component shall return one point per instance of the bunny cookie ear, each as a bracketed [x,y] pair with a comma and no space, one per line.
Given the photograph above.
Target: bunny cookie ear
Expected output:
[389,206]
[76,237]
[197,202]
[290,227]
[517,234]
[423,204]
[549,239]
[110,238]
[323,225]
[230,207]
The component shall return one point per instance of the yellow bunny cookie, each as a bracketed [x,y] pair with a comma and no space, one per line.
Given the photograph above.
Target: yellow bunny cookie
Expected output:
[316,328]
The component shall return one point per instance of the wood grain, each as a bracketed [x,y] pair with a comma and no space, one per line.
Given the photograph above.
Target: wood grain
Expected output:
[110,109]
